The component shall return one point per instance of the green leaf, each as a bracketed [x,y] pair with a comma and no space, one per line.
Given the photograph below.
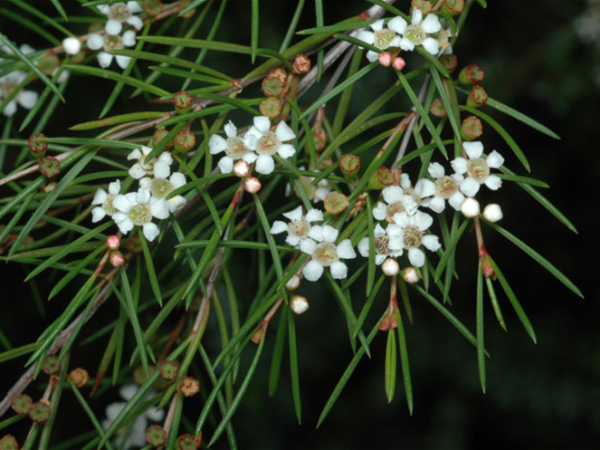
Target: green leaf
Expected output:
[390,365]
[198,43]
[255,26]
[294,371]
[480,335]
[495,304]
[454,120]
[154,284]
[278,352]
[293,24]
[60,9]
[450,250]
[117,120]
[520,179]
[367,307]
[320,22]
[408,392]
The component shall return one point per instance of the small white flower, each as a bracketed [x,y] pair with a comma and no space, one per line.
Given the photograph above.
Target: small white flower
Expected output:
[492,212]
[381,37]
[109,42]
[137,437]
[381,245]
[120,13]
[8,83]
[325,253]
[446,188]
[395,201]
[422,189]
[408,232]
[161,187]
[266,143]
[105,200]
[158,167]
[138,209]
[234,147]
[299,226]
[418,32]
[390,267]
[477,168]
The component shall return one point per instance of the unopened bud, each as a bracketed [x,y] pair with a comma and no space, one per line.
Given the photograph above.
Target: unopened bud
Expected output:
[21,404]
[188,442]
[188,386]
[117,259]
[241,168]
[72,45]
[37,148]
[492,212]
[349,163]
[299,304]
[279,72]
[184,141]
[252,185]
[471,128]
[80,377]
[182,102]
[159,135]
[390,267]
[470,207]
[385,59]
[270,107]
[293,283]
[319,140]
[113,242]
[156,436]
[450,62]
[335,202]
[49,166]
[477,97]
[486,264]
[169,370]
[399,63]
[453,7]
[39,412]
[472,74]
[301,63]
[410,275]
[152,7]
[438,109]
[9,442]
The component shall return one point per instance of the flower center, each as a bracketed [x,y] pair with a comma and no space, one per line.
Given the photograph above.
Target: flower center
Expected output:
[392,209]
[383,38]
[119,11]
[445,187]
[268,144]
[415,34]
[7,87]
[299,228]
[160,188]
[107,206]
[478,169]
[235,148]
[326,254]
[113,43]
[381,245]
[412,236]
[140,214]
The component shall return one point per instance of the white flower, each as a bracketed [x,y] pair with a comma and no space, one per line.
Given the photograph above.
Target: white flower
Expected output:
[109,42]
[477,168]
[395,201]
[158,167]
[408,232]
[299,227]
[120,13]
[137,436]
[266,143]
[234,147]
[446,188]
[161,187]
[418,32]
[325,253]
[8,84]
[381,37]
[316,193]
[138,208]
[105,200]
[381,245]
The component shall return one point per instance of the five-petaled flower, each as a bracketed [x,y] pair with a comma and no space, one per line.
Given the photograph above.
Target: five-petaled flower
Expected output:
[408,232]
[326,253]
[105,200]
[266,143]
[418,32]
[234,148]
[381,37]
[446,188]
[161,187]
[299,226]
[477,169]
[26,98]
[158,167]
[381,244]
[138,209]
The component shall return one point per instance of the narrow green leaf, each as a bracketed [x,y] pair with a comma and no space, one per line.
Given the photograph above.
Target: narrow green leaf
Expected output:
[450,250]
[150,267]
[390,365]
[520,179]
[60,9]
[408,391]
[293,24]
[320,23]
[494,299]
[294,371]
[480,334]
[131,309]
[255,27]
[278,351]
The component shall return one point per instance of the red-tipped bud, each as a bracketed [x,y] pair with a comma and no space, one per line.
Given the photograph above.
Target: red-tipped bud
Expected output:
[471,128]
[437,108]
[390,267]
[293,283]
[182,102]
[241,168]
[252,185]
[113,242]
[117,259]
[477,97]
[299,304]
[301,64]
[493,212]
[319,140]
[385,59]
[472,74]
[399,63]
[410,275]
[37,148]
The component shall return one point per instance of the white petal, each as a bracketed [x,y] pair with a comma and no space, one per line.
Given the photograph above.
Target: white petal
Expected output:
[129,38]
[405,181]
[162,170]
[265,164]
[146,183]
[423,220]
[345,250]
[379,231]
[113,410]
[135,22]
[379,259]
[128,391]
[145,150]
[392,194]
[330,234]
[104,9]
[316,233]
[493,182]
[159,209]
[98,214]
[431,242]
[460,165]
[377,25]
[398,25]
[134,7]
[176,203]
[395,42]
[150,231]
[400,219]
[284,132]
[417,16]
[99,197]
[431,24]
[294,214]
[312,271]
[292,240]
[314,215]
[143,196]
[104,59]
[321,194]
[456,200]
[286,151]
[379,211]
[409,204]
[495,160]
[135,154]
[122,203]
[262,124]
[308,246]
[407,45]
[114,187]
[251,138]
[339,270]
[436,170]
[367,37]
[95,41]
[156,415]
[363,247]
[425,188]
[123,61]
[113,27]
[123,222]
[372,56]
[10,109]
[416,257]
[216,144]
[396,243]
[250,157]
[431,45]
[230,129]
[166,158]
[177,180]
[473,149]
[470,187]
[437,204]
[137,172]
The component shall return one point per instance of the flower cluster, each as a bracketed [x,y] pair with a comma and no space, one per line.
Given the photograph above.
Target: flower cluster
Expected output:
[139,208]
[118,32]
[11,81]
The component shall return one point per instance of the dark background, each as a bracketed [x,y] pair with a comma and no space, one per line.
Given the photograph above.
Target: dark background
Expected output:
[539,396]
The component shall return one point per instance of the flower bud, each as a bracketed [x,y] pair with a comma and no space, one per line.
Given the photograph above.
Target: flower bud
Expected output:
[471,74]
[385,59]
[39,412]
[399,63]
[470,207]
[335,202]
[477,97]
[9,442]
[169,370]
[471,128]
[241,168]
[410,275]
[113,242]
[51,365]
[301,64]
[117,259]
[453,7]
[184,141]
[437,108]
[270,107]
[188,386]
[293,283]
[80,377]
[450,62]
[486,264]
[49,166]
[349,163]
[159,135]
[492,212]
[37,148]
[252,185]
[21,404]
[319,140]
[390,267]
[156,436]
[182,102]
[299,304]
[152,7]
[188,442]
[72,45]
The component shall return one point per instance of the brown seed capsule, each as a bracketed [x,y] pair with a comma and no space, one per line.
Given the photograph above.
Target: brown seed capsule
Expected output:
[159,135]
[301,64]
[9,442]
[477,97]
[80,377]
[184,141]
[156,436]
[335,202]
[21,404]
[134,245]
[188,442]
[37,148]
[385,176]
[471,128]
[152,7]
[453,7]
[270,107]
[319,140]
[472,74]
[349,163]
[188,386]
[437,108]
[51,365]
[450,62]
[183,4]
[49,166]
[424,5]
[182,102]
[272,85]
[39,412]
[169,370]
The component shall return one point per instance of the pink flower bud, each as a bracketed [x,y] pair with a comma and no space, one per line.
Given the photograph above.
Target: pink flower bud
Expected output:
[241,168]
[301,63]
[410,275]
[113,242]
[252,185]
[399,63]
[117,259]
[390,267]
[385,59]
[299,304]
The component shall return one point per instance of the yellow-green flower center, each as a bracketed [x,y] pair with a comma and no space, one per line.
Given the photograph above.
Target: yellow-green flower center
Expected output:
[235,148]
[383,38]
[412,236]
[392,209]
[381,244]
[478,169]
[140,214]
[268,144]
[326,254]
[160,188]
[415,34]
[445,187]
[7,87]
[299,228]
[113,43]
[107,206]
[119,11]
